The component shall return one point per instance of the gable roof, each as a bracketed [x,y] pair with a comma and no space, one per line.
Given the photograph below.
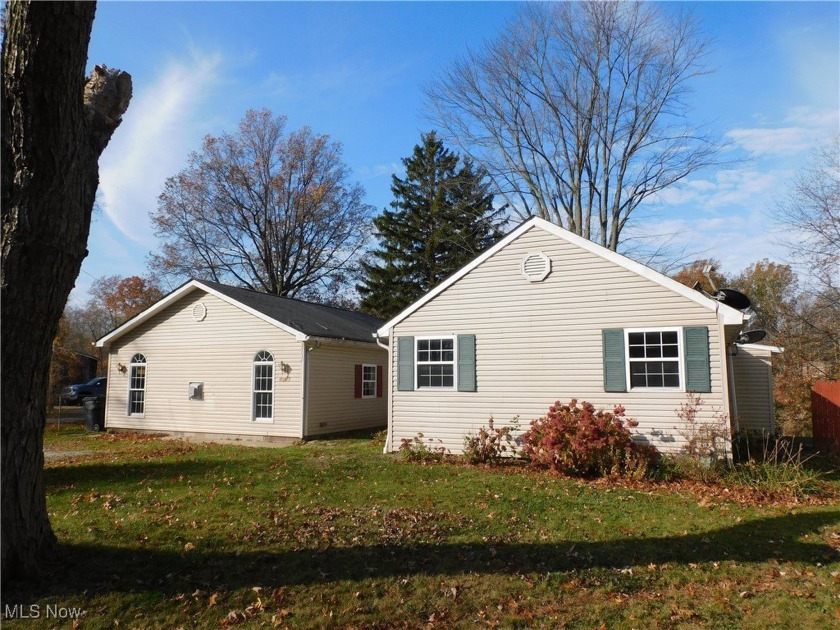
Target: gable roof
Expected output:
[298,318]
[729,315]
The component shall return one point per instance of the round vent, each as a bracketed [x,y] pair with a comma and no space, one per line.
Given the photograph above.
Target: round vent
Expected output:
[536,267]
[199,312]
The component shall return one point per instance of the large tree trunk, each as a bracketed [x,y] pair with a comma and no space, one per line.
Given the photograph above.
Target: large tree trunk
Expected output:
[55,125]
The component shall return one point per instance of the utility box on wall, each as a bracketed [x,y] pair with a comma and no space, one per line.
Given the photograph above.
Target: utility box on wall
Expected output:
[196,391]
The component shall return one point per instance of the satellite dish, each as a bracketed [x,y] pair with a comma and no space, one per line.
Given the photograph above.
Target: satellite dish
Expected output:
[751,336]
[733,298]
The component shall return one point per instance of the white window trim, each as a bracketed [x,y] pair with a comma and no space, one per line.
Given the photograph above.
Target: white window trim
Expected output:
[680,358]
[375,380]
[254,364]
[145,383]
[454,387]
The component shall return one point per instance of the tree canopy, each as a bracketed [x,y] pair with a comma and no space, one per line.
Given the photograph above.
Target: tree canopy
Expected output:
[264,209]
[442,217]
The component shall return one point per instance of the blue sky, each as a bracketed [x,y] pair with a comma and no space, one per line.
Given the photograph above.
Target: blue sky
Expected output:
[355,71]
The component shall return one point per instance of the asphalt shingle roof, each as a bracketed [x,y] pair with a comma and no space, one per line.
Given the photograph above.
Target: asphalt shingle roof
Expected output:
[316,320]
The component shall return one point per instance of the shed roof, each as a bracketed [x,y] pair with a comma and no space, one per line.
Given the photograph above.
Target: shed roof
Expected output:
[297,317]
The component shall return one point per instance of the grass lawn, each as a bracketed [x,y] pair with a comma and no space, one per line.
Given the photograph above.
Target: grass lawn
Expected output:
[164,534]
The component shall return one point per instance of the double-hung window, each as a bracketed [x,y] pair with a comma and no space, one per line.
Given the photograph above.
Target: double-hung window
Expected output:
[654,358]
[263,403]
[137,385]
[369,381]
[436,362]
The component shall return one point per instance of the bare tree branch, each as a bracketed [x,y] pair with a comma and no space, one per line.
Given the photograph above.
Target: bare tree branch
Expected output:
[265,210]
[577,111]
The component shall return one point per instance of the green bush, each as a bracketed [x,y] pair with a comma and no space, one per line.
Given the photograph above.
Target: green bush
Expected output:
[576,440]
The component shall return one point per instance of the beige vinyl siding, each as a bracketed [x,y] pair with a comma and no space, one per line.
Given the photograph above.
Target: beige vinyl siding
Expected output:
[540,342]
[753,389]
[331,405]
[218,351]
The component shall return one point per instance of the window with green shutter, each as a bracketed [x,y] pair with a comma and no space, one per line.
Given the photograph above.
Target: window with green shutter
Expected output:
[653,357]
[466,363]
[405,364]
[436,362]
[698,376]
[615,379]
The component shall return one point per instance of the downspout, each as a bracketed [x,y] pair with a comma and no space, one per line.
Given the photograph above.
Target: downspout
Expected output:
[306,383]
[388,436]
[731,373]
[727,383]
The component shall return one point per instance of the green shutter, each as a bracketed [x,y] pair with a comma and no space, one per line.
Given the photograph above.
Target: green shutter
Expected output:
[405,364]
[466,363]
[615,377]
[696,345]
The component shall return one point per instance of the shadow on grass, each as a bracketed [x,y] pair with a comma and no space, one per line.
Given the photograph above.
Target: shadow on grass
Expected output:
[108,569]
[102,474]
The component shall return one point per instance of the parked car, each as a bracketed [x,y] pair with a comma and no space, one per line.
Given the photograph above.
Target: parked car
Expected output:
[75,394]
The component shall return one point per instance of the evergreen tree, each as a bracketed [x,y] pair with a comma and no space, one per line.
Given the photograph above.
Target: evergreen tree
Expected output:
[442,217]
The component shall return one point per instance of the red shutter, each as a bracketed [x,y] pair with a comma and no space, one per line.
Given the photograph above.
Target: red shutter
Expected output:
[358,393]
[379,373]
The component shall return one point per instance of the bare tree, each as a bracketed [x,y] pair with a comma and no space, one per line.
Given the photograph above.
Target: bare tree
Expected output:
[577,110]
[265,210]
[810,214]
[55,125]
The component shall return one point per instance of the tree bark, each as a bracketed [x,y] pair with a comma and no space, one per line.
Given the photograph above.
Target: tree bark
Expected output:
[55,125]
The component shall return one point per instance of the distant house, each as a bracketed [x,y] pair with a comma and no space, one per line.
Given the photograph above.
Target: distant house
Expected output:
[220,360]
[546,315]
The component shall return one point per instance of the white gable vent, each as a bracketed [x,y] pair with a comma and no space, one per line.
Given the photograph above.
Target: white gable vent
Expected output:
[536,267]
[199,312]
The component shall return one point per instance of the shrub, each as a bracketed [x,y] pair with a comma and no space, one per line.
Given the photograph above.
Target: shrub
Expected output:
[379,438]
[577,440]
[678,467]
[705,441]
[416,450]
[773,466]
[490,443]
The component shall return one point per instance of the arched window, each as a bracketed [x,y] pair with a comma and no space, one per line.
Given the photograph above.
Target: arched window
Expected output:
[137,385]
[263,386]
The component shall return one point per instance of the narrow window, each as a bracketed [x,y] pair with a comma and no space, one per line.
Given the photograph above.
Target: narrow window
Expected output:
[368,381]
[654,358]
[436,362]
[137,386]
[263,386]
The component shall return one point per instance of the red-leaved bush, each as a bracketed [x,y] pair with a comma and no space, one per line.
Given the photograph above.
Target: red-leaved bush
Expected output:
[579,441]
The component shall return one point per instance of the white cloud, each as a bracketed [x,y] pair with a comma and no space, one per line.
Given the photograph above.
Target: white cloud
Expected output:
[827,119]
[736,239]
[729,187]
[802,129]
[774,141]
[153,140]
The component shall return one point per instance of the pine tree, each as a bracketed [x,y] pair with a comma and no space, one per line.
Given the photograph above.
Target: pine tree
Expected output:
[442,217]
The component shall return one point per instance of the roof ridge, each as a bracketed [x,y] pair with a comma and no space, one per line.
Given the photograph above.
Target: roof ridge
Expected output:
[284,297]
